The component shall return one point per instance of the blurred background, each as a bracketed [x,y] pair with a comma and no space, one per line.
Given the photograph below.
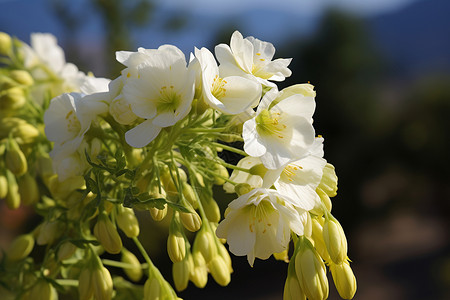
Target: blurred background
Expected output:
[381,69]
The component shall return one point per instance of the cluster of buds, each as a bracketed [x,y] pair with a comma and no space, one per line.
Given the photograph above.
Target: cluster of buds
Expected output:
[87,153]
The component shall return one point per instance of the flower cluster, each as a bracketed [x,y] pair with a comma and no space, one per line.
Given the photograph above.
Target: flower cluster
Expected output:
[154,139]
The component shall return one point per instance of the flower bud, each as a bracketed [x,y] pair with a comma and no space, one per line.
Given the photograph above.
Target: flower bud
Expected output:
[43,290]
[152,289]
[3,186]
[176,245]
[48,232]
[12,197]
[191,221]
[325,200]
[317,237]
[96,147]
[106,233]
[311,272]
[135,273]
[102,283]
[219,270]
[127,221]
[5,43]
[15,160]
[158,214]
[121,111]
[242,188]
[12,99]
[85,285]
[226,257]
[329,180]
[25,133]
[335,240]
[211,208]
[292,288]
[344,279]
[189,195]
[22,77]
[199,274]
[21,247]
[66,250]
[180,273]
[205,244]
[28,189]
[222,172]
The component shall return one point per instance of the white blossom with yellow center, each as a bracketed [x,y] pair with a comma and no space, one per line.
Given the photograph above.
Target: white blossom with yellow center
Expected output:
[259,223]
[280,133]
[159,90]
[251,56]
[231,94]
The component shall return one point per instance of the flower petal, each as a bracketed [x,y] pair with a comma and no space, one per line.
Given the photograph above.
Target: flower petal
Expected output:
[141,135]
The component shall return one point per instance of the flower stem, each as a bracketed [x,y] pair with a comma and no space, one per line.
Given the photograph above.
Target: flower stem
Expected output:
[229,148]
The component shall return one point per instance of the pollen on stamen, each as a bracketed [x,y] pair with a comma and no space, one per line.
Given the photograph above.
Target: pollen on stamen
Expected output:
[258,54]
[250,227]
[262,59]
[128,75]
[280,136]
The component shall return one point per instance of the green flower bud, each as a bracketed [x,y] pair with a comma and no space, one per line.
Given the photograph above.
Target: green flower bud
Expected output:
[189,195]
[102,283]
[43,290]
[152,289]
[222,172]
[106,233]
[28,189]
[317,237]
[5,43]
[292,288]
[25,133]
[242,188]
[311,272]
[12,99]
[12,197]
[205,244]
[135,273]
[3,186]
[66,250]
[180,273]
[85,285]
[49,231]
[127,221]
[335,240]
[329,180]
[211,208]
[21,247]
[22,77]
[15,160]
[199,274]
[344,279]
[226,257]
[158,214]
[176,244]
[219,270]
[191,221]
[259,170]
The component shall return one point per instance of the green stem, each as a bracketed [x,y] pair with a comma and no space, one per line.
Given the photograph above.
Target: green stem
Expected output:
[144,253]
[67,282]
[204,130]
[119,264]
[229,148]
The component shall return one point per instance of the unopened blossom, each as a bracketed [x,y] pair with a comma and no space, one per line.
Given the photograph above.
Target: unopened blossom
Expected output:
[280,133]
[259,223]
[252,56]
[161,94]
[228,94]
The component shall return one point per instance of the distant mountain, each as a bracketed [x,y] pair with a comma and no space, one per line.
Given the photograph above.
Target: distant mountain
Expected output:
[416,39]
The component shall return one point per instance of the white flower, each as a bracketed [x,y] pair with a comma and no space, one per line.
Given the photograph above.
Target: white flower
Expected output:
[161,93]
[300,178]
[229,94]
[259,223]
[119,107]
[255,181]
[281,131]
[251,56]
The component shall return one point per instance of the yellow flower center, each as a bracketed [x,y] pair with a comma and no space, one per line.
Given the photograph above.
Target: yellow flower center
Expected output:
[217,87]
[268,123]
[260,216]
[168,100]
[290,172]
[73,124]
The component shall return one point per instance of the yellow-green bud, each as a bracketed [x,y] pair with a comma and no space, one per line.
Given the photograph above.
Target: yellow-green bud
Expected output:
[5,43]
[102,283]
[15,160]
[191,221]
[219,270]
[344,279]
[292,288]
[48,232]
[127,221]
[135,272]
[66,250]
[205,244]
[43,290]
[22,77]
[180,273]
[96,147]
[222,172]
[28,189]
[106,233]
[25,133]
[329,180]
[259,170]
[226,257]
[12,197]
[211,209]
[189,194]
[325,200]
[176,246]
[242,188]
[85,284]
[3,186]
[158,214]
[311,272]
[199,274]
[335,240]
[21,247]
[317,237]
[152,289]
[12,99]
